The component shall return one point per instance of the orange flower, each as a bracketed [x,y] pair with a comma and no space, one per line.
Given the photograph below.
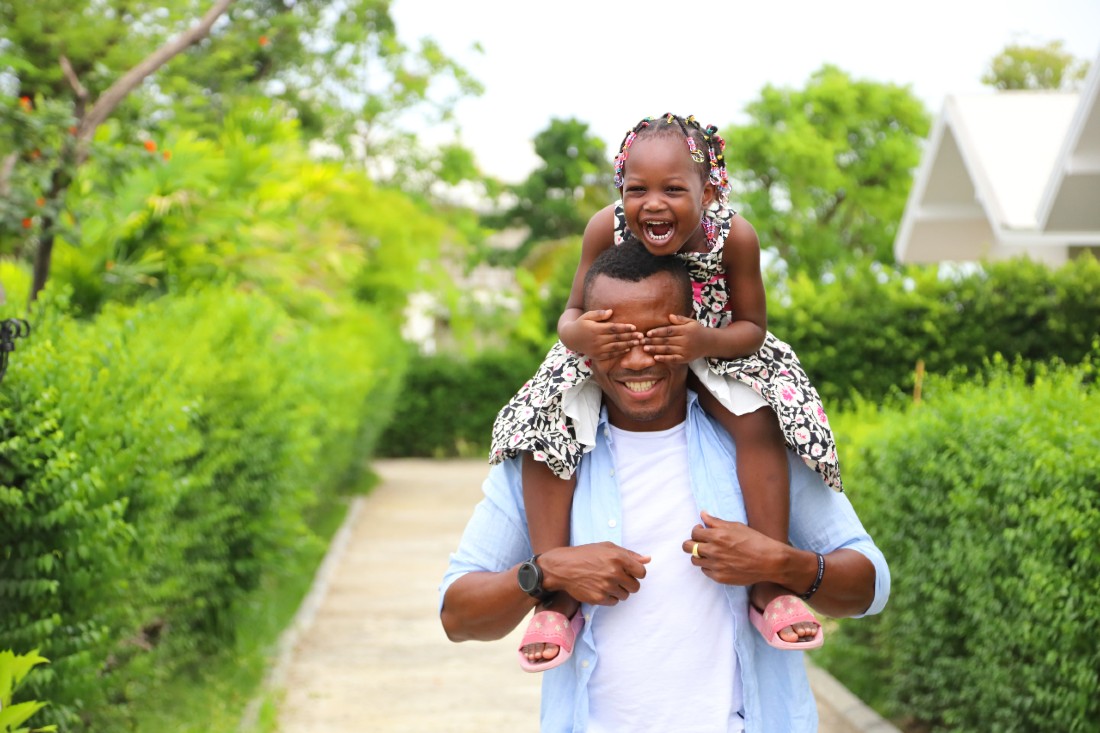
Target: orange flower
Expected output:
[167,154]
[72,130]
[25,103]
[150,146]
[28,222]
[264,40]
[40,201]
[110,265]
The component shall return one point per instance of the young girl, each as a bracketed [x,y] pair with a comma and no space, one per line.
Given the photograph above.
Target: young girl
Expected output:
[674,189]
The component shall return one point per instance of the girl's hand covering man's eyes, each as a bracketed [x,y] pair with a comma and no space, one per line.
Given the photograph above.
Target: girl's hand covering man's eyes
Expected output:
[679,343]
[596,335]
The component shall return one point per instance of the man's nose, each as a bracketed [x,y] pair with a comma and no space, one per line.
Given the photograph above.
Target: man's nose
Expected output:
[637,359]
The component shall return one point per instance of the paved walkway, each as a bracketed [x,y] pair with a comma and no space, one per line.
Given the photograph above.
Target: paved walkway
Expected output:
[368,652]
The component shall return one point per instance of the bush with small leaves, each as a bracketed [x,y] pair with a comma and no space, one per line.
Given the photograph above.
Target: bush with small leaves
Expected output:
[984,499]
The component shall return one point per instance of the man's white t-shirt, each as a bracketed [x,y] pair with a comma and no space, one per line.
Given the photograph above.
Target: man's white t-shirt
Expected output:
[666,659]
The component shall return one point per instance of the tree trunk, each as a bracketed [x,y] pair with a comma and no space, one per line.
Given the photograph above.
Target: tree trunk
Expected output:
[97,115]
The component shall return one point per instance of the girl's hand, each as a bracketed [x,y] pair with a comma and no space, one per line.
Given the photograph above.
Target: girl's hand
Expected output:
[595,335]
[684,341]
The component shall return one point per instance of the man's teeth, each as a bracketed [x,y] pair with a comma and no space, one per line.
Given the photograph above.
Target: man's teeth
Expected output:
[640,386]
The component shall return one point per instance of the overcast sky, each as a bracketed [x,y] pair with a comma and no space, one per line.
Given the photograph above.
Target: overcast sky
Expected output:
[611,63]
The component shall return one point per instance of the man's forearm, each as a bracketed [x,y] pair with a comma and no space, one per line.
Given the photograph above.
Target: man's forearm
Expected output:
[847,583]
[735,554]
[484,606]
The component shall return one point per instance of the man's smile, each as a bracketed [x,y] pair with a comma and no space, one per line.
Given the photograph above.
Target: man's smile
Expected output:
[640,386]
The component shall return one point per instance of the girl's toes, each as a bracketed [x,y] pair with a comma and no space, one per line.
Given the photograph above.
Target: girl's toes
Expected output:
[540,652]
[805,631]
[789,634]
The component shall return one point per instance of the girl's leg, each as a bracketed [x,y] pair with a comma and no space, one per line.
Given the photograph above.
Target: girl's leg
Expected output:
[763,474]
[548,501]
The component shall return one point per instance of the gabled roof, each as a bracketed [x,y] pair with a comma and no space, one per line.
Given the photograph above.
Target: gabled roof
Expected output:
[1007,173]
[1072,200]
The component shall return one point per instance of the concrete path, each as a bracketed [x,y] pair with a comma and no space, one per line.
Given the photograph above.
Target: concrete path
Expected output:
[367,652]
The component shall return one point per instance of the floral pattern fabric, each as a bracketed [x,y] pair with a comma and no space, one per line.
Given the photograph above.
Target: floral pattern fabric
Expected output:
[534,419]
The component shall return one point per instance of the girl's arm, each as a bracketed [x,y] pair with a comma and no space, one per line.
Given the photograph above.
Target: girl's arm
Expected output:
[686,339]
[745,334]
[592,333]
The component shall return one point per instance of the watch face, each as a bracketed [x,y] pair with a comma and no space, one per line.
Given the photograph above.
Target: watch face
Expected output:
[528,577]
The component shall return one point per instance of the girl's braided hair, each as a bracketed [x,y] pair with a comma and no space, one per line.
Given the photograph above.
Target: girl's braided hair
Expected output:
[711,163]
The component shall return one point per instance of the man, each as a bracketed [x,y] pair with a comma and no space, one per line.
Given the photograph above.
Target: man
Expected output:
[661,556]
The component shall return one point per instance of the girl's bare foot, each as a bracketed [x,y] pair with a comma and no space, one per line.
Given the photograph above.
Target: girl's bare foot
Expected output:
[543,652]
[764,593]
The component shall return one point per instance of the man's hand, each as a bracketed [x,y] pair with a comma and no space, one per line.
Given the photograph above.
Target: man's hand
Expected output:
[602,574]
[682,342]
[596,336]
[732,553]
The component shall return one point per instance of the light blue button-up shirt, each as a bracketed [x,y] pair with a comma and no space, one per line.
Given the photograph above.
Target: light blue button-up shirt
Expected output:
[775,689]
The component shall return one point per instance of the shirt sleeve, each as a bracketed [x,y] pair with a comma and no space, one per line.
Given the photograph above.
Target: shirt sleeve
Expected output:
[824,520]
[495,538]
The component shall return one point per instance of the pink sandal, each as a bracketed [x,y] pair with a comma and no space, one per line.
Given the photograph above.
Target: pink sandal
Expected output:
[550,627]
[785,611]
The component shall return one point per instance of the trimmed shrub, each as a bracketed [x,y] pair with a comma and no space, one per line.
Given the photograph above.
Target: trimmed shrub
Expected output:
[449,404]
[864,333]
[985,501]
[156,462]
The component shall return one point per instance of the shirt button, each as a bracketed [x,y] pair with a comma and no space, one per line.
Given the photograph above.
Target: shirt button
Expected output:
[584,662]
[611,522]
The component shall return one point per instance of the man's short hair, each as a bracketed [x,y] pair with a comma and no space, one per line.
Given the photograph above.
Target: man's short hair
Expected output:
[632,262]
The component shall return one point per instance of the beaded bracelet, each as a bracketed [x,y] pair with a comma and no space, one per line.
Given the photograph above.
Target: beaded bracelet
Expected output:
[817,581]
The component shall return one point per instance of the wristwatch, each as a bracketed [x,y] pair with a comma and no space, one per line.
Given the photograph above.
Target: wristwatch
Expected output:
[530,579]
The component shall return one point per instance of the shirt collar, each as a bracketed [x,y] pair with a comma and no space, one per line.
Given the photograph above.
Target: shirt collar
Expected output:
[692,404]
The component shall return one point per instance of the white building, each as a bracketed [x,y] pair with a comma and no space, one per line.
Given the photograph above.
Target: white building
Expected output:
[1007,174]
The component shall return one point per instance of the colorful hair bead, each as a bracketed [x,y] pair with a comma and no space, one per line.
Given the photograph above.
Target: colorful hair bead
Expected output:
[696,154]
[624,150]
[709,228]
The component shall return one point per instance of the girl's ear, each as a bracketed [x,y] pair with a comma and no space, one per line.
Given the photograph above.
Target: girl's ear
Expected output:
[709,195]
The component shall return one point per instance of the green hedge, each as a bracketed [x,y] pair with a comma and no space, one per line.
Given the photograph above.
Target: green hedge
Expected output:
[448,403]
[986,501]
[155,462]
[864,332]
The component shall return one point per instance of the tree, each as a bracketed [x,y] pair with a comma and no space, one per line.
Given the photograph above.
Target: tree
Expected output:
[86,118]
[72,65]
[1035,67]
[823,172]
[559,196]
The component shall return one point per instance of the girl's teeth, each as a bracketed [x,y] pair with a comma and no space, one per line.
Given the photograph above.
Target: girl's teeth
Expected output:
[659,237]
